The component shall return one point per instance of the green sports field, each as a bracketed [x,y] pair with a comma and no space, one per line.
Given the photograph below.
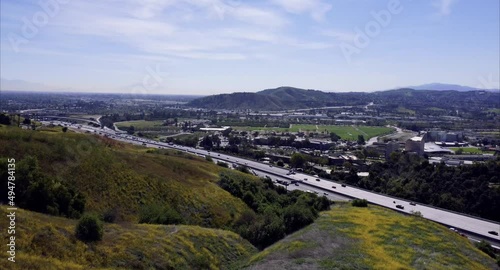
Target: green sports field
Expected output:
[345,132]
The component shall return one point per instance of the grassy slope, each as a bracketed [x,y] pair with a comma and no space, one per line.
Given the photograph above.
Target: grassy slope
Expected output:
[371,238]
[47,242]
[121,177]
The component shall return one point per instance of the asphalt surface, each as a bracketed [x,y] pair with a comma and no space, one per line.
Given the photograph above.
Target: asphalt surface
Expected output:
[476,228]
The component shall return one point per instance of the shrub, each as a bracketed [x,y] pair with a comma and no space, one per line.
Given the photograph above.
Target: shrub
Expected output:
[486,248]
[110,215]
[222,164]
[416,213]
[89,228]
[209,159]
[359,203]
[157,214]
[297,217]
[243,169]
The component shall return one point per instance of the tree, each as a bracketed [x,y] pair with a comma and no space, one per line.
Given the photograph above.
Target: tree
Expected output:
[226,132]
[485,247]
[361,139]
[4,119]
[89,228]
[297,160]
[26,121]
[207,143]
[131,130]
[334,137]
[64,129]
[216,140]
[233,140]
[296,217]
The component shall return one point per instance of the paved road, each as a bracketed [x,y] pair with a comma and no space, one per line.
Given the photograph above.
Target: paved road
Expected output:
[476,227]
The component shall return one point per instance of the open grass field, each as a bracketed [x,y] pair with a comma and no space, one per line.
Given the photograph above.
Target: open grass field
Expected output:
[406,110]
[347,237]
[248,128]
[141,125]
[345,132]
[47,242]
[85,116]
[491,133]
[471,150]
[120,177]
[436,109]
[495,110]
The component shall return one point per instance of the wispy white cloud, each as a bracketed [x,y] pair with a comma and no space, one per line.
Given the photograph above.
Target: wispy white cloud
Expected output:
[444,6]
[339,35]
[316,8]
[155,27]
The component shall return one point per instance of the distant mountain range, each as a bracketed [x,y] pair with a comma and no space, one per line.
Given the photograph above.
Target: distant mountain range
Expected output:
[286,98]
[444,86]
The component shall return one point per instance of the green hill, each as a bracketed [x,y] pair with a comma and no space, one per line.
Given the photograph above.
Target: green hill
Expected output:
[347,237]
[48,242]
[238,101]
[286,98]
[118,179]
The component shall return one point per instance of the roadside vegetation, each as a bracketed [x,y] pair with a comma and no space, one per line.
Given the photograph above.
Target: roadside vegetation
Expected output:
[276,212]
[470,189]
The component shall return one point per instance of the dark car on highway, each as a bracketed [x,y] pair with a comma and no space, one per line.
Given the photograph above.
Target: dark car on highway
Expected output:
[400,206]
[493,232]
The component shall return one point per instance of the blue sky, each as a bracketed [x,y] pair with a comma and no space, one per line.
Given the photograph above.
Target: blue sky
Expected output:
[220,46]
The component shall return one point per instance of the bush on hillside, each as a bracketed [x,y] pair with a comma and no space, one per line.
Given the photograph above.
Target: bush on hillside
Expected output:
[277,212]
[89,228]
[486,248]
[37,192]
[157,214]
[222,164]
[110,215]
[297,217]
[359,203]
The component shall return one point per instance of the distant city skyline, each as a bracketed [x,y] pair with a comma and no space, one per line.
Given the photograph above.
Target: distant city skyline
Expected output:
[222,46]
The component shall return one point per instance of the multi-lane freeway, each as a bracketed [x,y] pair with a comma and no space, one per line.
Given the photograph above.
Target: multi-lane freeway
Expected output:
[474,227]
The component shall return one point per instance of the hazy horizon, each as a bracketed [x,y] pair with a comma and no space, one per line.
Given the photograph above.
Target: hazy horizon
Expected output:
[184,47]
